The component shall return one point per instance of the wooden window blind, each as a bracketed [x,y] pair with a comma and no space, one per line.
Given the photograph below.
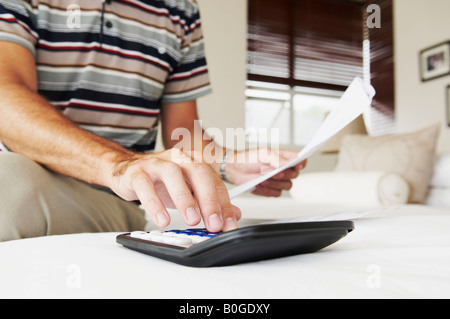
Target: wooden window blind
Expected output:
[382,57]
[309,43]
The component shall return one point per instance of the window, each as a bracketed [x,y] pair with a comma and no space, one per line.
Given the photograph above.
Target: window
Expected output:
[289,116]
[302,55]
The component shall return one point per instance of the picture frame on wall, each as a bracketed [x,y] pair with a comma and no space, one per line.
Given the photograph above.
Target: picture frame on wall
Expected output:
[435,61]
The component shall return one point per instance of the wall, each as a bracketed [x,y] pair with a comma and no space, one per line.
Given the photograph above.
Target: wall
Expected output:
[420,24]
[225,30]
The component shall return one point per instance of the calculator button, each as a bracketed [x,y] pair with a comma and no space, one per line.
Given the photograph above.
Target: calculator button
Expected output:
[183,241]
[137,234]
[183,238]
[157,238]
[168,240]
[177,241]
[146,236]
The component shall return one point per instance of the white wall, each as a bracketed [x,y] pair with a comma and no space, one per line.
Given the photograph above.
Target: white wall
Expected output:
[224,25]
[225,30]
[420,24]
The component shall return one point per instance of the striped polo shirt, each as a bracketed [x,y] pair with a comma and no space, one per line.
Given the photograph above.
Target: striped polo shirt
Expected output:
[109,65]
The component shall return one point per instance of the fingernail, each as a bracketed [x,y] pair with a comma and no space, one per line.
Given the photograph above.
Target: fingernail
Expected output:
[214,222]
[230,224]
[192,216]
[161,219]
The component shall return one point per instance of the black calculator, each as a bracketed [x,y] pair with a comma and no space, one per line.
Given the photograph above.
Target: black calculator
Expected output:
[196,247]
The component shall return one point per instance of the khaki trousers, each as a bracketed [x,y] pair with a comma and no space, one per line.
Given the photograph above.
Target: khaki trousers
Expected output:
[37,202]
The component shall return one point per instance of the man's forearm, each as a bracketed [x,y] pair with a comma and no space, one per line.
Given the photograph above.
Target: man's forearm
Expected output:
[29,125]
[182,129]
[193,141]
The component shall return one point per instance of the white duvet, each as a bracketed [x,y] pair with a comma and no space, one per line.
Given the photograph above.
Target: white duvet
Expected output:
[401,252]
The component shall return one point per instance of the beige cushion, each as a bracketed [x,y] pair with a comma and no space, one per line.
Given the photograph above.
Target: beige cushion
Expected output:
[409,155]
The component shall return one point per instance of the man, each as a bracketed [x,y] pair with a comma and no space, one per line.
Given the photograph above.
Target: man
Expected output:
[82,87]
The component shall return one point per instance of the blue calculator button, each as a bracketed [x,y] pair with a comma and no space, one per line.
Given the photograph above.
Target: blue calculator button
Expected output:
[194,230]
[203,232]
[200,233]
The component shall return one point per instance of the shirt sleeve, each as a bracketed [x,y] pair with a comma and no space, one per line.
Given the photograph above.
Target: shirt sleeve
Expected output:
[190,79]
[17,24]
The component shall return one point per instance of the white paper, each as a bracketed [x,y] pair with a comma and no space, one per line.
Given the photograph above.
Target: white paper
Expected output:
[356,99]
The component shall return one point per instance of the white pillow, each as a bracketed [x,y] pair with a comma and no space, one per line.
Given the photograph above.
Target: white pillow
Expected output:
[441,173]
[439,197]
[365,189]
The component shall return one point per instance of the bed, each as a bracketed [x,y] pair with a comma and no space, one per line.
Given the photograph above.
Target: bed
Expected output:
[395,252]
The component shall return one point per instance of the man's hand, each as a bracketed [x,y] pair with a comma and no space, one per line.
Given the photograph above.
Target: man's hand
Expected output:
[172,179]
[244,166]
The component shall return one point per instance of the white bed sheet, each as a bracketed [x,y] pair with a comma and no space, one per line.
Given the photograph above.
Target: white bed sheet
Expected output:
[401,252]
